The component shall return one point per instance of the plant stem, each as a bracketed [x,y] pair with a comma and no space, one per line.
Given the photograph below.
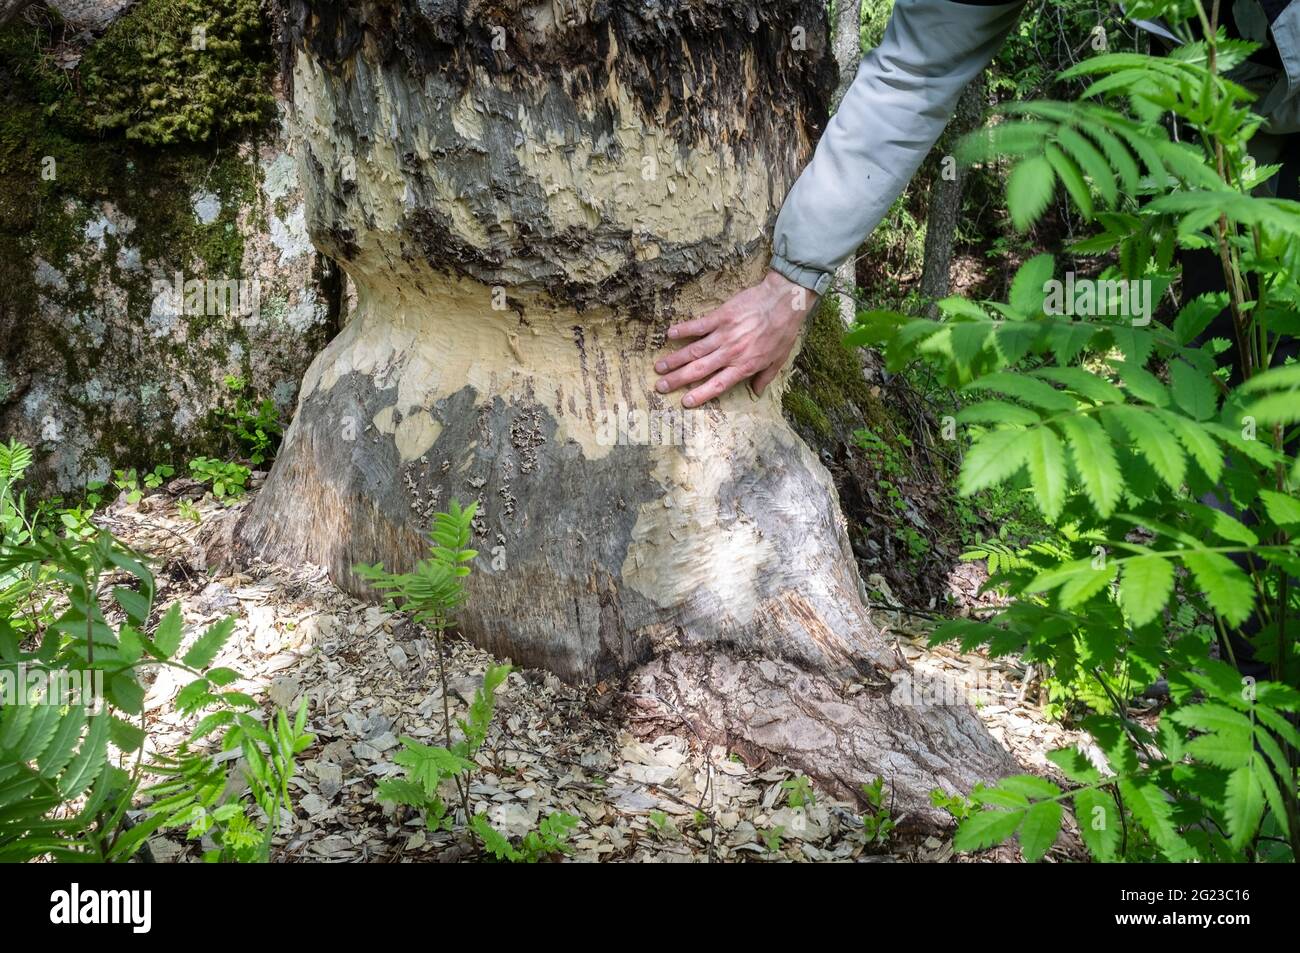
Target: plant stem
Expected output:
[461,782]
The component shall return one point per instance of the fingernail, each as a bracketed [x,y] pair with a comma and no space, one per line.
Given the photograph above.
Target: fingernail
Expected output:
[688,401]
[660,367]
[672,332]
[662,387]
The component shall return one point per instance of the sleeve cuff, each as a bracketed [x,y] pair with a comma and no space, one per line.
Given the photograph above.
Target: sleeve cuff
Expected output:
[813,279]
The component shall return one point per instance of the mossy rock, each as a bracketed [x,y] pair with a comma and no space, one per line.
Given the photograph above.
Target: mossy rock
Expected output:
[115,383]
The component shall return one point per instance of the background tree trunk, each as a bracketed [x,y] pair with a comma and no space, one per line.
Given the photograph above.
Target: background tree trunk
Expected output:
[525,196]
[946,198]
[848,54]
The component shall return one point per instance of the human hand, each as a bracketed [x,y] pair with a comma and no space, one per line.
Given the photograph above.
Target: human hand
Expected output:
[750,336]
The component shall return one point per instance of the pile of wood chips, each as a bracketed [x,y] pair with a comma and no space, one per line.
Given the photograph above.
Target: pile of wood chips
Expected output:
[370,677]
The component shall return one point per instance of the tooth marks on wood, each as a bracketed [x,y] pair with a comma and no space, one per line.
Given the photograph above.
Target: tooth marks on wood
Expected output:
[526,436]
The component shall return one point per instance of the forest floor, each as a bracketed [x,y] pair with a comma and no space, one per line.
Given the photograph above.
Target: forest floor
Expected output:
[371,677]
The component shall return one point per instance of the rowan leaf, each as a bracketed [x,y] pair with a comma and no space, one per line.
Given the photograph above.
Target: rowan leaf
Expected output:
[993,457]
[1192,390]
[1029,189]
[1028,286]
[1068,172]
[1099,823]
[1243,801]
[1145,587]
[1082,586]
[1228,590]
[1199,443]
[1152,809]
[1153,441]
[167,637]
[1091,161]
[1094,459]
[1282,509]
[986,829]
[1047,475]
[1141,383]
[1092,386]
[206,646]
[997,412]
[1029,389]
[1039,830]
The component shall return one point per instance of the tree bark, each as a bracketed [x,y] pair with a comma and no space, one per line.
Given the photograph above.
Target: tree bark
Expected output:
[847,38]
[525,197]
[847,42]
[9,9]
[945,205]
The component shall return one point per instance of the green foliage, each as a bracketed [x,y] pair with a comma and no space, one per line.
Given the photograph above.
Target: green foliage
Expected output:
[15,458]
[550,838]
[254,425]
[431,594]
[229,480]
[1118,427]
[799,792]
[129,481]
[772,838]
[957,805]
[664,825]
[878,820]
[427,767]
[434,590]
[77,613]
[194,795]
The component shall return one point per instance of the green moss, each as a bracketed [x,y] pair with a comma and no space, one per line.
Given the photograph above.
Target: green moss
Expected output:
[174,71]
[802,409]
[827,385]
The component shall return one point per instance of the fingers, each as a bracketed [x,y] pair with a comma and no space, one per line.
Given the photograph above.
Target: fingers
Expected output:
[697,327]
[691,352]
[716,385]
[694,371]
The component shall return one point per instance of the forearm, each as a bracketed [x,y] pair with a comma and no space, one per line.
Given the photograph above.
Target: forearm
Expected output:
[905,91]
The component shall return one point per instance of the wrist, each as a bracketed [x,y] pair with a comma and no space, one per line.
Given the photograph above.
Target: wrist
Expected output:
[775,281]
[797,299]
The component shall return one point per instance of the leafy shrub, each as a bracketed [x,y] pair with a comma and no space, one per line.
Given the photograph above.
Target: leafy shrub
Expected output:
[228,480]
[73,771]
[1124,432]
[256,426]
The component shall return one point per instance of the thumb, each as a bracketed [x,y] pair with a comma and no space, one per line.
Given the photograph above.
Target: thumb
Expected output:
[759,382]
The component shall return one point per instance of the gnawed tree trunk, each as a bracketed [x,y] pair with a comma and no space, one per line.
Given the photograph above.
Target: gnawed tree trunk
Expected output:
[525,196]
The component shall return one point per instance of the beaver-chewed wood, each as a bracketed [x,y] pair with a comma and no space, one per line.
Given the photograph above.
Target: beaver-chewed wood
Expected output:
[525,196]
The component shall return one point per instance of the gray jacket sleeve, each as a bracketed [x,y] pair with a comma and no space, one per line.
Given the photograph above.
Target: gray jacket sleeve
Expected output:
[905,92]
